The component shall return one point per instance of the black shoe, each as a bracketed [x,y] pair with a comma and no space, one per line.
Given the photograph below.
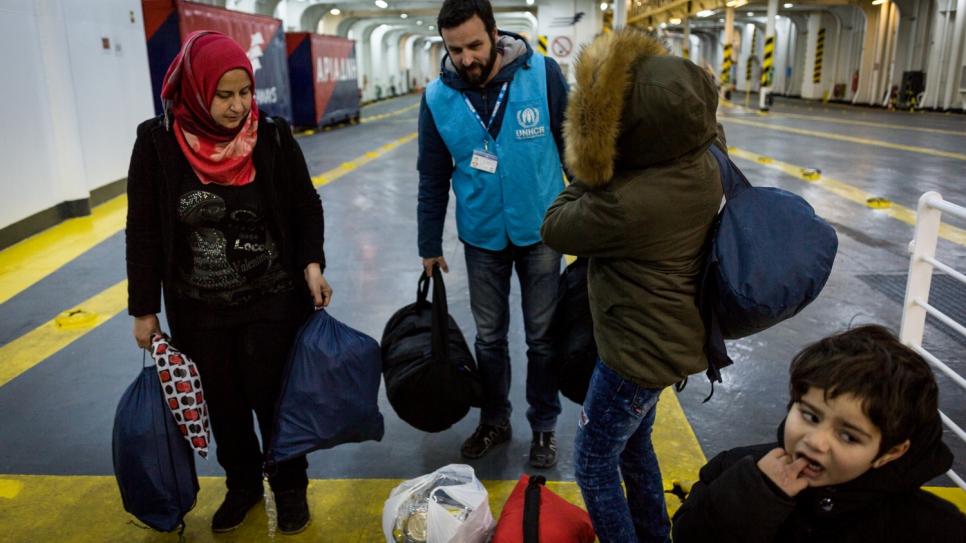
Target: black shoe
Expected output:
[293,511]
[484,438]
[233,510]
[543,450]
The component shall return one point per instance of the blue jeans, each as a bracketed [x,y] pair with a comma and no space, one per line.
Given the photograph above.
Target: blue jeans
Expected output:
[614,431]
[489,272]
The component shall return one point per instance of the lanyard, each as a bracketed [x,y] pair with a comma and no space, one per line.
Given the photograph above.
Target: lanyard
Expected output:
[496,108]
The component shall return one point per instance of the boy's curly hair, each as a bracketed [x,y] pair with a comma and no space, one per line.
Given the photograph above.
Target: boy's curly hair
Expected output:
[896,386]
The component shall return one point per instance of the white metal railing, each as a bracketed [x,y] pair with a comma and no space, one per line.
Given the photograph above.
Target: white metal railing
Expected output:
[916,305]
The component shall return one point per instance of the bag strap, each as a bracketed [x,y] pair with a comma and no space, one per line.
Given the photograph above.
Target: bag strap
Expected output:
[733,182]
[531,509]
[440,318]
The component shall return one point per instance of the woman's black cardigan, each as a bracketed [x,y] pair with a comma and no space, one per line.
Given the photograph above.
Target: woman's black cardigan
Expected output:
[154,184]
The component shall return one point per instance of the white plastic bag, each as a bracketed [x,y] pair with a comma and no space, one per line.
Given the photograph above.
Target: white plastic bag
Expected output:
[446,506]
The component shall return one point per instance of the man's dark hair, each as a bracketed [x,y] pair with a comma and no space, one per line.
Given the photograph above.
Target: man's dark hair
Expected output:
[456,12]
[896,386]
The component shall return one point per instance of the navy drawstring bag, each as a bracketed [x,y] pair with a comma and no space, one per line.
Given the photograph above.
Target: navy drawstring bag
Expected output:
[153,464]
[330,390]
[770,257]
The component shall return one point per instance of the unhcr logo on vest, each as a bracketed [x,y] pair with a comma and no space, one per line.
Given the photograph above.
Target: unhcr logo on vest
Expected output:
[528,119]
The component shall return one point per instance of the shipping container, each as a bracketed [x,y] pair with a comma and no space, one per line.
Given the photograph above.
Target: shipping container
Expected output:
[168,22]
[324,79]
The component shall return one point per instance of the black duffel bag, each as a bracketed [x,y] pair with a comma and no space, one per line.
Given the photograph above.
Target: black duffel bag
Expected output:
[572,327]
[431,378]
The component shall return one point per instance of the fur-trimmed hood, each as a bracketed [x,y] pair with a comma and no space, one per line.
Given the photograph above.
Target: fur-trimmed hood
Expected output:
[635,106]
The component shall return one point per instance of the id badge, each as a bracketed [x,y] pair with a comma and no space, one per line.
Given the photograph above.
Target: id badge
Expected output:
[484,161]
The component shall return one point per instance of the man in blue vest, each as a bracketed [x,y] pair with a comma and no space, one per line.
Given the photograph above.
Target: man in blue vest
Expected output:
[491,123]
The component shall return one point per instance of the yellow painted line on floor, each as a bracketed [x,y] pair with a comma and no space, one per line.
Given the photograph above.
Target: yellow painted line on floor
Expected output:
[896,211]
[864,141]
[89,509]
[58,508]
[387,115]
[36,257]
[847,121]
[347,167]
[37,345]
[677,448]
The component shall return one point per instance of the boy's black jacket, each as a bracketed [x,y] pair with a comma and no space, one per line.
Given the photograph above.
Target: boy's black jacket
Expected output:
[735,502]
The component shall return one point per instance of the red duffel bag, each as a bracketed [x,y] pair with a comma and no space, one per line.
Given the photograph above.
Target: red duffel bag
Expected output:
[534,514]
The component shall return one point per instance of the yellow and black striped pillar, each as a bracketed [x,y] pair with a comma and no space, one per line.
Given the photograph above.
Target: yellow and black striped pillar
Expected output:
[542,44]
[767,61]
[819,49]
[726,65]
[751,55]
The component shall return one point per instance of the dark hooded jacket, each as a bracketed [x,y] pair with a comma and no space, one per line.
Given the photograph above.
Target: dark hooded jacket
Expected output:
[638,128]
[435,163]
[735,502]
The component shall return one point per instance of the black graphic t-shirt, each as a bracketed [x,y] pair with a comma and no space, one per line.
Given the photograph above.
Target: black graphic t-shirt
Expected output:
[228,256]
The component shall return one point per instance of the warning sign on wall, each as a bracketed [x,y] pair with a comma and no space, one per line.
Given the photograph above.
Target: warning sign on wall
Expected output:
[561,47]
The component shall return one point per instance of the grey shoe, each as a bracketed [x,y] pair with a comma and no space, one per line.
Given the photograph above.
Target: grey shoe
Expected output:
[484,438]
[543,450]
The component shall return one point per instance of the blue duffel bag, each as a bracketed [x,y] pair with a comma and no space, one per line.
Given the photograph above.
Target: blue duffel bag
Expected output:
[330,390]
[770,257]
[154,465]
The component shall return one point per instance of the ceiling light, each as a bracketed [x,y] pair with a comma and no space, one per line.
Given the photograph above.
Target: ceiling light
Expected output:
[675,21]
[705,13]
[603,6]
[750,14]
[778,17]
[736,3]
[419,22]
[720,20]
[663,25]
[529,2]
[334,11]
[877,2]
[403,16]
[788,5]
[382,4]
[430,27]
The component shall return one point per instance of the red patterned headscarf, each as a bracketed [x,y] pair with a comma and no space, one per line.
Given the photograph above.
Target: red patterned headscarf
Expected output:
[217,154]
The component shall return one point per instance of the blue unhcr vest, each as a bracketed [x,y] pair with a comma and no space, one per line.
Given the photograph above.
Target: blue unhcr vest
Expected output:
[492,208]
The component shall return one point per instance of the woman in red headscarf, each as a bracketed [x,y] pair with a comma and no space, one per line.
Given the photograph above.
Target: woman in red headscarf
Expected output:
[224,220]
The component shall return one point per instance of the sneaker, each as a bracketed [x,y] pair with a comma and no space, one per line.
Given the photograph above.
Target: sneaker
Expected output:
[484,438]
[293,511]
[234,509]
[543,450]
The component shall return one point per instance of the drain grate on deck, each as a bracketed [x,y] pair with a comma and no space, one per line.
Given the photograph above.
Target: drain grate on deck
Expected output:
[946,294]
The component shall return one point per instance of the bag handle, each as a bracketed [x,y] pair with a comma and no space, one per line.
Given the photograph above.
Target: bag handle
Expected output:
[422,291]
[440,318]
[531,509]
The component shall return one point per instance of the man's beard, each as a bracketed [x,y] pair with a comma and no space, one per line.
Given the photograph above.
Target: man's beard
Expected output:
[478,78]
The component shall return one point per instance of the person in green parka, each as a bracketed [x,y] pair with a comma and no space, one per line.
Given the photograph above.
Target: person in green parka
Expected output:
[645,195]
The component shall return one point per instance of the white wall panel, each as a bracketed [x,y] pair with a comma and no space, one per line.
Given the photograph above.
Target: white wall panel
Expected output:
[70,107]
[27,178]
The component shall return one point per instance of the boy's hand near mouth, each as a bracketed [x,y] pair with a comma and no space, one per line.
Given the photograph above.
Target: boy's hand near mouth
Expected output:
[785,472]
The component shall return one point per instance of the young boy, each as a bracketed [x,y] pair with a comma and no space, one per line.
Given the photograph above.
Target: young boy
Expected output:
[862,435]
